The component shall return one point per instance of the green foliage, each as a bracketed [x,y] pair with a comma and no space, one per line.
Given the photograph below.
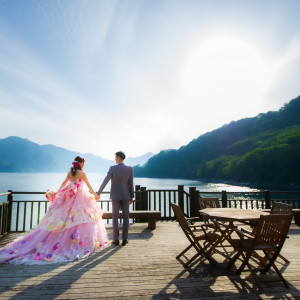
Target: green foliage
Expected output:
[264,149]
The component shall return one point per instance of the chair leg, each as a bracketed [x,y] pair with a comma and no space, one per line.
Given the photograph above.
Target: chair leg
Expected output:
[272,263]
[202,251]
[252,271]
[185,250]
[192,259]
[280,275]
[245,262]
[283,258]
[233,260]
[271,260]
[214,244]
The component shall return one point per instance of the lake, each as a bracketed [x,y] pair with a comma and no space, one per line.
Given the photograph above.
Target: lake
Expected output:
[40,182]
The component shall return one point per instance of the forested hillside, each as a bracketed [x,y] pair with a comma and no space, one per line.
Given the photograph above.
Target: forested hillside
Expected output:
[263,149]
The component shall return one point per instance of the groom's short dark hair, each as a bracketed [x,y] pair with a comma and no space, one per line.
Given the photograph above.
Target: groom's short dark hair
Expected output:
[121,155]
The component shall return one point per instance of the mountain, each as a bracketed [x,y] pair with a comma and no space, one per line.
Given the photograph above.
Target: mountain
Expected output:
[263,149]
[21,155]
[140,160]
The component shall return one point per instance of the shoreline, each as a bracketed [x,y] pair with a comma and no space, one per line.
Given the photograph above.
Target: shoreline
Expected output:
[255,185]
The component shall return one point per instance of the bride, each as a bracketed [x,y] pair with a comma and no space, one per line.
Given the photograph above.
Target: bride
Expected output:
[71,229]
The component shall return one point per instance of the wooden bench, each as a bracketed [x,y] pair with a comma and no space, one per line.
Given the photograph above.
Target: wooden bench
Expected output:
[150,215]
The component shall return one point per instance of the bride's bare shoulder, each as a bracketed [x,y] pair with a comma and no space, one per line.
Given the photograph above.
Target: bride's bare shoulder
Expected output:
[81,174]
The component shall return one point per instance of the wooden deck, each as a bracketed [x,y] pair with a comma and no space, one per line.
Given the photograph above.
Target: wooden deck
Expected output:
[146,268]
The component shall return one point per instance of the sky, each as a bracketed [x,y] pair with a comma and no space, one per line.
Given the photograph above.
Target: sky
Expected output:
[142,75]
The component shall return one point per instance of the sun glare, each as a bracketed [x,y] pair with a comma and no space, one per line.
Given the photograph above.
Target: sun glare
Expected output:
[225,68]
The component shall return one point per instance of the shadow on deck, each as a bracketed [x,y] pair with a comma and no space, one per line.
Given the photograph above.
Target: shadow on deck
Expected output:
[146,268]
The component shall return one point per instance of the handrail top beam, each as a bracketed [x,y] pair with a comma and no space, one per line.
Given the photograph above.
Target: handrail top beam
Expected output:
[172,190]
[5,194]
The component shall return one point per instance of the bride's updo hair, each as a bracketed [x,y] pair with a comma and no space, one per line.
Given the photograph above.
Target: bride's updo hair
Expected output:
[75,164]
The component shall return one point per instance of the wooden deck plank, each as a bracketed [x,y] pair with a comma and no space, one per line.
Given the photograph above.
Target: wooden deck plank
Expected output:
[146,268]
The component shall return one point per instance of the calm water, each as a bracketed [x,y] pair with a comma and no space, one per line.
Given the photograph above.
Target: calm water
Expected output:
[40,182]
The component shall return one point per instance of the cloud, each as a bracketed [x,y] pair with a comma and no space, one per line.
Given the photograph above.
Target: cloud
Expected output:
[286,74]
[99,76]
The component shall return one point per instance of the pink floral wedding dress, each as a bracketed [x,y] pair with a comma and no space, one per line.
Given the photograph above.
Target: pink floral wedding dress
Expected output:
[71,229]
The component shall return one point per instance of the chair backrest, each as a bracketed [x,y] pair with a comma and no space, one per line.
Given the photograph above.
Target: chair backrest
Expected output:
[180,217]
[209,203]
[272,229]
[281,208]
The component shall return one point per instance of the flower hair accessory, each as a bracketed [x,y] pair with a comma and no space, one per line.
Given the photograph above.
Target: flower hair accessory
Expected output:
[75,164]
[50,195]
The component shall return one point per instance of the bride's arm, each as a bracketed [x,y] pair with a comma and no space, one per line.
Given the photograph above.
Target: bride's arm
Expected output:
[65,181]
[84,177]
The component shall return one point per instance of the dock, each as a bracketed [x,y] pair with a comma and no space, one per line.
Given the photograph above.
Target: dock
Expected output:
[146,268]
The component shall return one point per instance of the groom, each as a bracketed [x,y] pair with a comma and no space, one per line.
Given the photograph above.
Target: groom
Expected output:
[121,194]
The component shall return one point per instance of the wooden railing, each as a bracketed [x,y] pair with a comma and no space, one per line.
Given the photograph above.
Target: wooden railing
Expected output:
[28,213]
[23,214]
[160,199]
[5,214]
[250,200]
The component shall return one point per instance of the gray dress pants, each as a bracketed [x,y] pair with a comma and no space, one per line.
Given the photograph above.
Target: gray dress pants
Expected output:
[116,205]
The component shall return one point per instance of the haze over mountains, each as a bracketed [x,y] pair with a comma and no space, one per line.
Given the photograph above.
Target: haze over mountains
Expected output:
[263,149]
[22,155]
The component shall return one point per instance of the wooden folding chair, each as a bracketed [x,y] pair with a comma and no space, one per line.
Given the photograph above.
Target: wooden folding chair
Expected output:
[208,203]
[279,209]
[218,225]
[282,208]
[196,234]
[270,235]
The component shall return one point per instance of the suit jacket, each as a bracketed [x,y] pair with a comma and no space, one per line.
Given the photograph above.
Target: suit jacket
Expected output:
[121,177]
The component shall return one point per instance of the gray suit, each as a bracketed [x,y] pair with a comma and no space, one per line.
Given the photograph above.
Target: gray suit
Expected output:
[121,192]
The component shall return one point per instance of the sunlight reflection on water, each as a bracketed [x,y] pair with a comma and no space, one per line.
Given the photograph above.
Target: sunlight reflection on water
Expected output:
[40,182]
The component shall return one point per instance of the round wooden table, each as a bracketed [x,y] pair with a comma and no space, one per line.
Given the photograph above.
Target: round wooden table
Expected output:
[233,214]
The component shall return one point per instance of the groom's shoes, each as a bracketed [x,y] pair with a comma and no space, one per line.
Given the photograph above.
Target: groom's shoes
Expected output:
[115,243]
[124,242]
